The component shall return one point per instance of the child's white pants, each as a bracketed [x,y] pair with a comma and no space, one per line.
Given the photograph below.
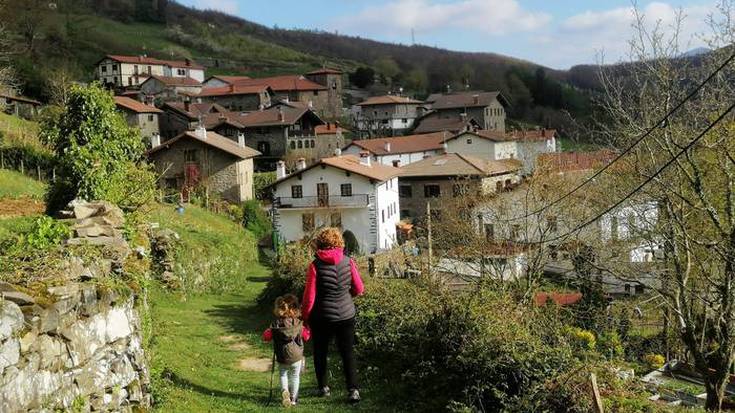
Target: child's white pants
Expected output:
[291,377]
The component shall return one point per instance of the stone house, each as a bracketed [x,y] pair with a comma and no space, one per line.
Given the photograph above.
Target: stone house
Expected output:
[140,115]
[126,71]
[238,98]
[167,88]
[387,115]
[402,150]
[346,191]
[433,122]
[179,117]
[451,175]
[487,108]
[20,106]
[329,138]
[199,158]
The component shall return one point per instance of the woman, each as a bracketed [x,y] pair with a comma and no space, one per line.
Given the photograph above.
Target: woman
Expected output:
[332,280]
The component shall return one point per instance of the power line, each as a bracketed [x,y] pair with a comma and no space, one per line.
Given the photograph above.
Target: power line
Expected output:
[630,147]
[645,182]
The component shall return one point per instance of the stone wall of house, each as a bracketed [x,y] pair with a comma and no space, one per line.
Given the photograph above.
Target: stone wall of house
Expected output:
[75,346]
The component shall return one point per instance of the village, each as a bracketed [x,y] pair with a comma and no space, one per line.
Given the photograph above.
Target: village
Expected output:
[154,208]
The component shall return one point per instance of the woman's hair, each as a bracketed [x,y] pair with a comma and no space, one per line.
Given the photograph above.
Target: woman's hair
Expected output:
[329,238]
[287,306]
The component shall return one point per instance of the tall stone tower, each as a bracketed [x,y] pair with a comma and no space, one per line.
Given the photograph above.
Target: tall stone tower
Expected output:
[332,80]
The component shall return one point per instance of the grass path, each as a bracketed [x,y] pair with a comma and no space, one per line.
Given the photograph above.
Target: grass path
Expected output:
[198,343]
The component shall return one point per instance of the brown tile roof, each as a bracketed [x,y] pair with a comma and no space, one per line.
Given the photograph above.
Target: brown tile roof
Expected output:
[20,99]
[325,71]
[490,135]
[433,123]
[232,90]
[533,135]
[351,163]
[328,129]
[574,161]
[175,81]
[403,144]
[134,105]
[278,83]
[229,79]
[212,139]
[195,109]
[454,164]
[467,99]
[389,100]
[145,60]
[258,118]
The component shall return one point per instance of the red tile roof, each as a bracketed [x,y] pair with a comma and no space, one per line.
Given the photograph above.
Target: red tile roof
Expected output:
[533,135]
[267,117]
[351,163]
[467,99]
[403,144]
[277,83]
[145,60]
[175,81]
[212,139]
[434,123]
[229,79]
[574,161]
[541,298]
[328,129]
[134,105]
[195,109]
[455,164]
[389,100]
[232,90]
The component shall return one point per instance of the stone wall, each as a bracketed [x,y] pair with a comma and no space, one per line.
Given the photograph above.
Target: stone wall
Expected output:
[75,346]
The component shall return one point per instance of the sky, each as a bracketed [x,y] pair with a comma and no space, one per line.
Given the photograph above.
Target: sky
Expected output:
[554,33]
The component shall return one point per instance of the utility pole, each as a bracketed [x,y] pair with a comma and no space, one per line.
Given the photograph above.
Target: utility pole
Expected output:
[413,37]
[428,235]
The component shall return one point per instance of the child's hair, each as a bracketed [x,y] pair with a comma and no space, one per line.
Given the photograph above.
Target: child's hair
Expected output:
[287,306]
[329,238]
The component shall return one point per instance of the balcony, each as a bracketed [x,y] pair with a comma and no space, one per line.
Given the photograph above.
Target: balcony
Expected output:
[352,201]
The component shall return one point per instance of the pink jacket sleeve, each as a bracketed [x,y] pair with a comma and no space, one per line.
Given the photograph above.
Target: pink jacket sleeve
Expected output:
[357,286]
[305,333]
[268,335]
[307,302]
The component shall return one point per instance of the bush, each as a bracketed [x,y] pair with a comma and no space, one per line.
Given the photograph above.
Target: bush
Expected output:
[254,219]
[610,345]
[289,273]
[45,233]
[581,339]
[654,361]
[260,181]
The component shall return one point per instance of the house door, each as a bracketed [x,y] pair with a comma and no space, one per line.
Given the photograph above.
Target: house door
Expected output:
[322,194]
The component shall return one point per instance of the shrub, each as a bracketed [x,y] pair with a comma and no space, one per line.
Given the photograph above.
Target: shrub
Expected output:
[610,345]
[654,361]
[581,339]
[260,181]
[254,219]
[289,273]
[45,233]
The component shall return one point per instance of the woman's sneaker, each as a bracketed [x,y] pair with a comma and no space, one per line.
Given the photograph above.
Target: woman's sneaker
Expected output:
[354,396]
[324,392]
[286,398]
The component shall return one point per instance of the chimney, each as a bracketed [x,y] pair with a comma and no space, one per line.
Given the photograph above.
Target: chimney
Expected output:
[365,158]
[155,140]
[386,146]
[201,132]
[280,169]
[337,152]
[199,100]
[463,116]
[281,118]
[301,164]
[241,139]
[187,103]
[445,147]
[397,163]
[311,104]
[475,99]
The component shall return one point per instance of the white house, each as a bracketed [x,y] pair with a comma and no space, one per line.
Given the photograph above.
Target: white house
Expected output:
[486,144]
[400,151]
[530,144]
[387,115]
[345,191]
[123,71]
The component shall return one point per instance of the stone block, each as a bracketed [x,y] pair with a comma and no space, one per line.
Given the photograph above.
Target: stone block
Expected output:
[27,341]
[95,230]
[82,211]
[118,324]
[70,290]
[18,297]
[5,287]
[11,319]
[50,321]
[50,351]
[85,337]
[9,353]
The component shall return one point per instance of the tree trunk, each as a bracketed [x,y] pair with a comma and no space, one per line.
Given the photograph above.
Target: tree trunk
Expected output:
[715,384]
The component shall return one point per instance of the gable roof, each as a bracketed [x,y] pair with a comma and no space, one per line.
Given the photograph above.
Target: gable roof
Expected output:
[227,79]
[212,139]
[403,144]
[433,123]
[325,71]
[533,135]
[174,81]
[467,99]
[491,135]
[145,60]
[134,105]
[574,161]
[350,163]
[233,90]
[455,164]
[277,83]
[195,109]
[267,117]
[20,99]
[389,100]
[328,129]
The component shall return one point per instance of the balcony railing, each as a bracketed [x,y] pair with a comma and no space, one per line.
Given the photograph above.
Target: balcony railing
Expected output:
[352,201]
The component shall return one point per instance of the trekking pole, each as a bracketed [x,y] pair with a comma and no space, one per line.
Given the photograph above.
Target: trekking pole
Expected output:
[273,370]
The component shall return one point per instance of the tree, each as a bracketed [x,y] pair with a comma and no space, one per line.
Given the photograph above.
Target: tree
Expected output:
[362,77]
[99,157]
[696,194]
[387,68]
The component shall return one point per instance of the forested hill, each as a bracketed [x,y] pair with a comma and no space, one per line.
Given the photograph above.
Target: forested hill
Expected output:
[64,39]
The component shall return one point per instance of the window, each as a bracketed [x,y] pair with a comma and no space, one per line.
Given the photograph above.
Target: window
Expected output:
[181,72]
[264,148]
[639,289]
[336,220]
[150,118]
[307,222]
[346,189]
[301,144]
[104,69]
[489,232]
[150,70]
[405,191]
[293,145]
[135,69]
[382,216]
[469,141]
[614,227]
[498,186]
[190,155]
[515,231]
[404,120]
[297,191]
[316,93]
[627,288]
[432,191]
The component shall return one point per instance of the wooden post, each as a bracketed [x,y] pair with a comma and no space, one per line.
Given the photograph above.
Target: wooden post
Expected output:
[53,175]
[596,399]
[22,168]
[2,160]
[38,171]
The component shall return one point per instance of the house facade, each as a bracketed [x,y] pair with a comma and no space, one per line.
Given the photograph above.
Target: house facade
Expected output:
[179,117]
[490,145]
[348,192]
[451,175]
[137,114]
[238,98]
[170,88]
[487,108]
[387,115]
[201,159]
[433,122]
[400,151]
[131,71]
[20,106]
[531,144]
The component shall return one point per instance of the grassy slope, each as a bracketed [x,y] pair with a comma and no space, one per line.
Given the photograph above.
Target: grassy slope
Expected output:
[187,345]
[18,131]
[15,185]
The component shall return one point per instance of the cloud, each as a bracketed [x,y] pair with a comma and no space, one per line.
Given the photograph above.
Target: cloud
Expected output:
[496,17]
[227,6]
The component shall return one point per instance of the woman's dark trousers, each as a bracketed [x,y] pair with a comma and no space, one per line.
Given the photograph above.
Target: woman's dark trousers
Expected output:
[344,333]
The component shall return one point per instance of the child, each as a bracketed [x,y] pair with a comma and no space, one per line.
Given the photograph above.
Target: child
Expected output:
[288,334]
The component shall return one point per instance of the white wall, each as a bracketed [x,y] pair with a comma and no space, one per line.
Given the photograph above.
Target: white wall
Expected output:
[473,145]
[388,207]
[528,152]
[404,158]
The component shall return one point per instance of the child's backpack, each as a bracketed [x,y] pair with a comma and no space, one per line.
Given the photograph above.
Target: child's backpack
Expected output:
[287,341]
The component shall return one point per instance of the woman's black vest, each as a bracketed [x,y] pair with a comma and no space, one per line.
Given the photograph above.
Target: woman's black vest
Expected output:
[333,299]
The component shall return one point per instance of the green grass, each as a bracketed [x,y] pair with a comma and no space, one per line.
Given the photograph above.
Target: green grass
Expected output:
[193,369]
[16,185]
[17,131]
[569,145]
[10,228]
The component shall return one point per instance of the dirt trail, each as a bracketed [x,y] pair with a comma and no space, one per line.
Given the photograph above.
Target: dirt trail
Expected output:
[20,207]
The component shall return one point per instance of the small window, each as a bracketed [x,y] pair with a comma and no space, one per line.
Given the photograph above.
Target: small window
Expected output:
[515,232]
[346,189]
[405,191]
[293,145]
[104,69]
[404,120]
[307,222]
[336,220]
[627,288]
[469,141]
[150,118]
[382,216]
[301,144]
[432,191]
[316,93]
[639,289]
[190,155]
[297,191]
